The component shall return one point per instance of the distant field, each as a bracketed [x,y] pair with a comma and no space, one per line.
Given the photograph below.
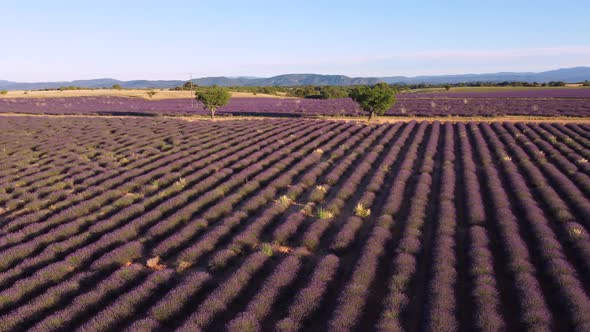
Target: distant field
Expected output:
[556,93]
[166,94]
[160,94]
[514,88]
[472,102]
[427,105]
[495,89]
[160,224]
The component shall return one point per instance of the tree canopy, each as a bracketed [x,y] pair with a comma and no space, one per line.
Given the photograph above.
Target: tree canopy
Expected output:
[213,98]
[374,100]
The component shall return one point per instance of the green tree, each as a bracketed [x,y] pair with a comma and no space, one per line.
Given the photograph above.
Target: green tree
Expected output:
[213,98]
[3,92]
[374,100]
[331,92]
[188,85]
[151,93]
[447,87]
[117,86]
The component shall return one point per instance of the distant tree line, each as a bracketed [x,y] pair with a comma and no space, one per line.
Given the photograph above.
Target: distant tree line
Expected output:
[330,91]
[306,91]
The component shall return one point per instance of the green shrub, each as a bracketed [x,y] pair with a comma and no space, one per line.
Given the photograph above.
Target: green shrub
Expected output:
[266,249]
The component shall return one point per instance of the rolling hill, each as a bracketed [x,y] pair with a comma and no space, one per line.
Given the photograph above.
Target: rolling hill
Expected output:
[576,74]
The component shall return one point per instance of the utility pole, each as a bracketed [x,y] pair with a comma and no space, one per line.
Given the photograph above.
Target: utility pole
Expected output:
[191,85]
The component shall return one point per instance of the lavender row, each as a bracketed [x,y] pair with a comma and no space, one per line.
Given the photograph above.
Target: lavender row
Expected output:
[569,163]
[126,232]
[110,182]
[60,233]
[313,234]
[88,301]
[410,245]
[569,288]
[194,251]
[81,256]
[533,307]
[406,169]
[485,293]
[569,190]
[307,299]
[568,144]
[351,302]
[441,294]
[220,298]
[250,235]
[75,183]
[125,306]
[261,305]
[284,231]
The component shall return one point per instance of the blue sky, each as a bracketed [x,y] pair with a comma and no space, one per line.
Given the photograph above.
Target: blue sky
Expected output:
[66,40]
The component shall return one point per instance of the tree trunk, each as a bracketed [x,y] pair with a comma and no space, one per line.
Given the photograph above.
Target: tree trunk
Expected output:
[371,116]
[212,114]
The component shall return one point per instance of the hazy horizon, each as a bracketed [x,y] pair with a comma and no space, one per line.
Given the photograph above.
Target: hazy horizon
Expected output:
[68,40]
[255,77]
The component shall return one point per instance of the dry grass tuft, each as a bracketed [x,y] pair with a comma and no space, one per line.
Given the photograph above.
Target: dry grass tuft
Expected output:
[324,213]
[284,201]
[362,211]
[154,264]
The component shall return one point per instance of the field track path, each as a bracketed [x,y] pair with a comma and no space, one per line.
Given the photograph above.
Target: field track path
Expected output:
[383,119]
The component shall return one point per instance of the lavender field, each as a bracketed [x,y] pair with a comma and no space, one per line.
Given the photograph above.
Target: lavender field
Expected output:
[160,224]
[562,102]
[532,93]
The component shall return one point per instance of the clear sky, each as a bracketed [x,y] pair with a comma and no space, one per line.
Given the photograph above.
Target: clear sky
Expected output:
[66,40]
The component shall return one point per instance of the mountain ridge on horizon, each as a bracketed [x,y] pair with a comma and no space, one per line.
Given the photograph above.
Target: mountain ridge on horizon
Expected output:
[569,75]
